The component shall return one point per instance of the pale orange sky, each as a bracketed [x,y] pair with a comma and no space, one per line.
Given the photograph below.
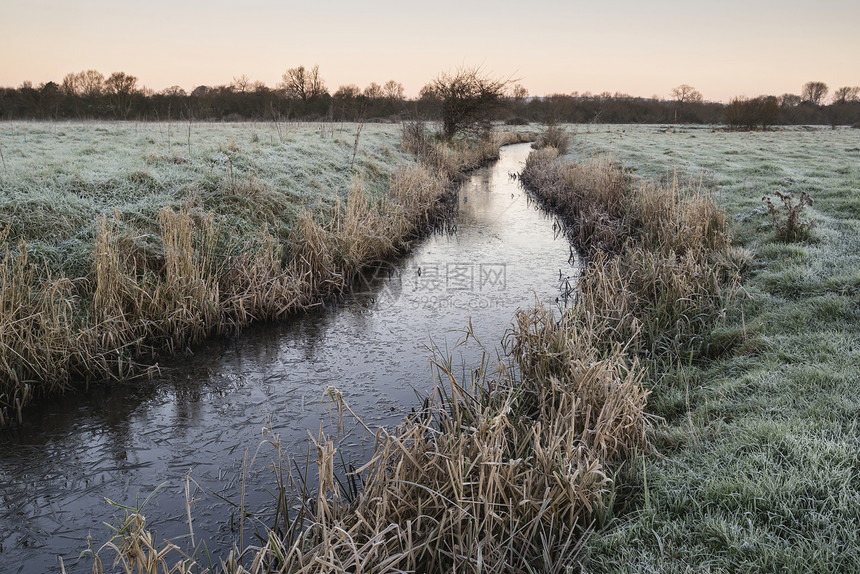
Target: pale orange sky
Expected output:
[734,47]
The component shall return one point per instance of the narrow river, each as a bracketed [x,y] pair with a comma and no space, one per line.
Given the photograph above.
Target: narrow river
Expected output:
[204,416]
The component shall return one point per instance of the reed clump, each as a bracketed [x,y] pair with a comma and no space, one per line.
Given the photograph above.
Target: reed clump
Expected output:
[36,338]
[193,277]
[590,195]
[503,472]
[330,248]
[660,268]
[657,304]
[455,158]
[674,218]
[555,137]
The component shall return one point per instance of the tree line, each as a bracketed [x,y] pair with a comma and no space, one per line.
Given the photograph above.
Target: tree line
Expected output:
[302,94]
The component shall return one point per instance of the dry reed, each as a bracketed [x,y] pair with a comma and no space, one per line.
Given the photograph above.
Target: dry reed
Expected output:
[660,268]
[500,473]
[139,302]
[589,194]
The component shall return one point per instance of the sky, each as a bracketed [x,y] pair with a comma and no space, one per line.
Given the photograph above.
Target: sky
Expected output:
[642,48]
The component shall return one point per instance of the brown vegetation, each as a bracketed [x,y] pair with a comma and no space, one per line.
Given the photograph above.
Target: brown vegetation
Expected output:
[451,98]
[137,303]
[499,473]
[660,258]
[787,220]
[749,114]
[555,137]
[469,100]
[507,472]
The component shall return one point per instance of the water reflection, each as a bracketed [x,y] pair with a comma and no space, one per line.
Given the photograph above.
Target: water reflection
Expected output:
[206,413]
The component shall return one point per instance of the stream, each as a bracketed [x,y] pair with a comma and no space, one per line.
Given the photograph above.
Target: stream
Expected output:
[202,419]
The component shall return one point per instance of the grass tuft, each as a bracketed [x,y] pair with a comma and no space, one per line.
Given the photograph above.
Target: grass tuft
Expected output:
[502,472]
[787,219]
[156,278]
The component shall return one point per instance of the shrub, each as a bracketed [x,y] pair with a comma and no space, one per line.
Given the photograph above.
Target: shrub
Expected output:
[469,99]
[555,137]
[415,139]
[789,226]
[517,121]
[750,114]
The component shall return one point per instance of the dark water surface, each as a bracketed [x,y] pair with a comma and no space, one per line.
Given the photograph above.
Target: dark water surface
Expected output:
[204,417]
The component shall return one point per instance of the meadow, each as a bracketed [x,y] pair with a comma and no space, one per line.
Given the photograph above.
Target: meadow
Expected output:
[758,466]
[509,467]
[60,178]
[123,242]
[695,411]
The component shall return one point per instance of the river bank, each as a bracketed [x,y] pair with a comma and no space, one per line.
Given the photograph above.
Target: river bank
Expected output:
[123,440]
[760,464]
[124,243]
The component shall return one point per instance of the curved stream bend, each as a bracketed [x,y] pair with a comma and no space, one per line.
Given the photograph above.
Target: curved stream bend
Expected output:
[205,415]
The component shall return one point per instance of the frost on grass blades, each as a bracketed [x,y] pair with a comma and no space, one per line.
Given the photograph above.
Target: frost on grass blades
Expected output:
[760,438]
[119,245]
[496,471]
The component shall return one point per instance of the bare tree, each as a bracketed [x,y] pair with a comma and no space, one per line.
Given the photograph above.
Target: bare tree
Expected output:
[846,94]
[303,84]
[241,84]
[393,90]
[175,91]
[121,88]
[789,100]
[520,92]
[89,83]
[428,92]
[373,91]
[347,98]
[347,92]
[70,85]
[814,92]
[686,94]
[469,98]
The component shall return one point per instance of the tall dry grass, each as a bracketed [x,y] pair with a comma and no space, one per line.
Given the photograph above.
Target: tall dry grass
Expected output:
[555,137]
[499,473]
[136,305]
[591,195]
[453,159]
[36,338]
[661,265]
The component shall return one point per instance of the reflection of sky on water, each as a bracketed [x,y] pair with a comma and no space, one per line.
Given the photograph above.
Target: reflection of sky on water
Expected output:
[207,412]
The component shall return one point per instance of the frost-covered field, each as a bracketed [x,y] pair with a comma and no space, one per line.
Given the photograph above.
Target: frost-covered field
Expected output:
[821,161]
[59,177]
[120,241]
[739,168]
[761,468]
